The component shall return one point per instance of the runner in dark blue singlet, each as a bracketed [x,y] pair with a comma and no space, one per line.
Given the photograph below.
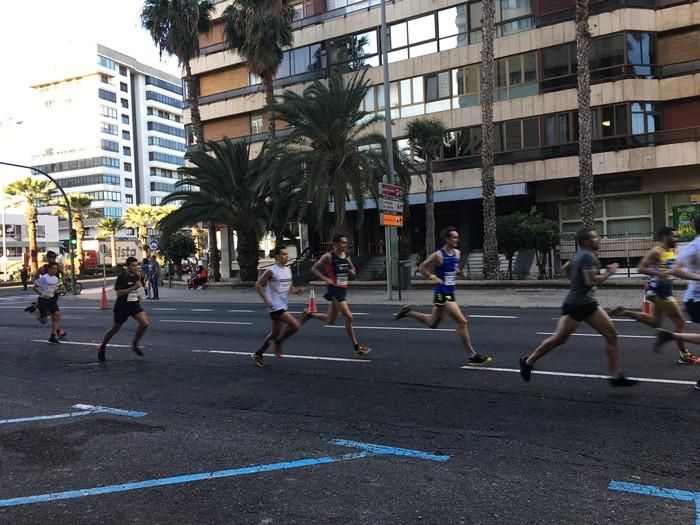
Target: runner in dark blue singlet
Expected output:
[445,263]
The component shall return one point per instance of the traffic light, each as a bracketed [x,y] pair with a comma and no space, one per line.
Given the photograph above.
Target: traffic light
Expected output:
[73,238]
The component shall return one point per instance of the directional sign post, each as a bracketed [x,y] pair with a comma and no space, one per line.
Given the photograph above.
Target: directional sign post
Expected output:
[395,221]
[391,206]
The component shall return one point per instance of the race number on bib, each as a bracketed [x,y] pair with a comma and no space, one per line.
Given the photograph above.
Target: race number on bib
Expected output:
[285,284]
[132,297]
[450,278]
[341,280]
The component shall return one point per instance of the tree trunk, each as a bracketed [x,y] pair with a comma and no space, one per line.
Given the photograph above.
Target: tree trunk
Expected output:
[585,161]
[429,207]
[80,235]
[488,183]
[270,99]
[248,255]
[193,102]
[113,247]
[214,261]
[32,218]
[143,238]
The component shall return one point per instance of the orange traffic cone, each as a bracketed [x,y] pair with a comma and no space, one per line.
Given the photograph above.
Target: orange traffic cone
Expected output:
[103,302]
[312,309]
[647,307]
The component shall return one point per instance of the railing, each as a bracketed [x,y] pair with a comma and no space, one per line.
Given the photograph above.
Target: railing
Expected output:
[627,248]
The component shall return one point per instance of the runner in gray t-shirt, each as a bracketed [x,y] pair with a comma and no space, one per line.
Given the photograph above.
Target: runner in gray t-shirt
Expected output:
[580,305]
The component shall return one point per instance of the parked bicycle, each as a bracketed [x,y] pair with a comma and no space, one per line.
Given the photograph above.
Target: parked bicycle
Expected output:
[67,289]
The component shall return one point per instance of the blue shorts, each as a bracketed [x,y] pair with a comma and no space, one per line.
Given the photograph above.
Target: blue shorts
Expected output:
[660,291]
[335,292]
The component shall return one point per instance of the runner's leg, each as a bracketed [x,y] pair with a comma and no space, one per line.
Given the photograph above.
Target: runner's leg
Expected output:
[455,313]
[269,338]
[330,316]
[55,322]
[674,314]
[142,319]
[602,324]
[650,320]
[110,333]
[344,310]
[431,320]
[565,327]
[291,327]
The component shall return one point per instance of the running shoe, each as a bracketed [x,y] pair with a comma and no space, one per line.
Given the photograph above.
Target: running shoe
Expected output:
[259,360]
[479,360]
[30,308]
[687,358]
[525,369]
[622,381]
[662,337]
[277,349]
[136,349]
[53,339]
[305,316]
[362,350]
[405,308]
[101,352]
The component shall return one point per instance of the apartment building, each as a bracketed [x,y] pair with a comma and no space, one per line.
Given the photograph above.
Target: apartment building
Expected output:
[645,69]
[112,128]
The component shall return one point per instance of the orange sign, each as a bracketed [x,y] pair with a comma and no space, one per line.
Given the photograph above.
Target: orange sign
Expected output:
[695,198]
[392,220]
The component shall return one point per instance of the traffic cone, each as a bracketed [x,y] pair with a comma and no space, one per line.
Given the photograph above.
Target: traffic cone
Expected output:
[647,307]
[103,302]
[312,309]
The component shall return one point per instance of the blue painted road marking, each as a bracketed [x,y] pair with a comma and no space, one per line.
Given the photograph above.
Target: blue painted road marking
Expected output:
[83,410]
[660,492]
[368,450]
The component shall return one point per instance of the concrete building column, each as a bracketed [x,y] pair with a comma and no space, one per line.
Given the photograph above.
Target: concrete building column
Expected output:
[225,249]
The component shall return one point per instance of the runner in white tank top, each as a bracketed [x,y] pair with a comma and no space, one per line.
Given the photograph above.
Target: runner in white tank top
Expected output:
[274,287]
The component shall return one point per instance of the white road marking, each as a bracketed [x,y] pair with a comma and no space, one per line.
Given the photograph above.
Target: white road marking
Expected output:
[286,356]
[200,322]
[301,312]
[493,316]
[598,335]
[241,311]
[584,376]
[96,308]
[201,309]
[81,343]
[165,309]
[407,329]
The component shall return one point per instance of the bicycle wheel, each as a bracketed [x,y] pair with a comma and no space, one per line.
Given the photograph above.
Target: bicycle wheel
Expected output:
[77,288]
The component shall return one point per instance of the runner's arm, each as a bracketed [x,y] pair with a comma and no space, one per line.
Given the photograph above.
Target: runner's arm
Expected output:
[593,278]
[679,271]
[685,257]
[427,265]
[260,286]
[460,270]
[645,266]
[296,290]
[351,269]
[125,291]
[316,268]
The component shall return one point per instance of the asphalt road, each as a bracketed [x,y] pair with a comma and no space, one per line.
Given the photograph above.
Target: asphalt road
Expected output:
[493,449]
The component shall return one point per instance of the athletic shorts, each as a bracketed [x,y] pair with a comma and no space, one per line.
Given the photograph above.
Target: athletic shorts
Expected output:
[335,292]
[47,306]
[441,299]
[121,315]
[579,312]
[277,314]
[692,308]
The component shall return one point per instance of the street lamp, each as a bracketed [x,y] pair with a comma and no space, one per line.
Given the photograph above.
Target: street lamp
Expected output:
[2,203]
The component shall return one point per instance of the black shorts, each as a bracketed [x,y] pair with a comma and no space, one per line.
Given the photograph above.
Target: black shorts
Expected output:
[47,306]
[277,314]
[692,308]
[121,315]
[335,292]
[441,299]
[579,312]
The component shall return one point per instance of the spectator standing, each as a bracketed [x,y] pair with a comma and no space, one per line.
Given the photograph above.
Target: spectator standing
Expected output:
[146,277]
[154,276]
[24,276]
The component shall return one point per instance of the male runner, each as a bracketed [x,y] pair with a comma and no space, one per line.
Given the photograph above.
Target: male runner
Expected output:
[46,287]
[445,263]
[32,308]
[338,268]
[129,289]
[274,286]
[689,264]
[658,263]
[580,305]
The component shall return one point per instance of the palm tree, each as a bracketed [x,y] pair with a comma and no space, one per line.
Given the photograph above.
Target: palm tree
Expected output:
[32,192]
[108,227]
[175,26]
[141,217]
[585,160]
[259,31]
[426,136]
[488,182]
[222,187]
[80,210]
[331,155]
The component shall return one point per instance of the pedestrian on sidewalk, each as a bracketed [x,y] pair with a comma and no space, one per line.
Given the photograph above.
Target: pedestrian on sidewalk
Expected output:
[24,276]
[338,269]
[154,277]
[580,305]
[445,264]
[273,287]
[129,288]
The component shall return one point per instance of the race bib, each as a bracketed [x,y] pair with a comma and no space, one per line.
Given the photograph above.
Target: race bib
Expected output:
[341,280]
[285,285]
[132,297]
[450,278]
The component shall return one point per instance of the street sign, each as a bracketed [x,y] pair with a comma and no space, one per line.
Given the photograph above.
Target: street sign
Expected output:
[103,249]
[153,244]
[391,206]
[9,229]
[390,190]
[395,221]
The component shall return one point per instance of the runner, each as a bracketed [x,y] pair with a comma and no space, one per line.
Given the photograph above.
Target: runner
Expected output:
[274,286]
[658,263]
[688,267]
[43,270]
[445,263]
[129,288]
[338,268]
[580,305]
[46,287]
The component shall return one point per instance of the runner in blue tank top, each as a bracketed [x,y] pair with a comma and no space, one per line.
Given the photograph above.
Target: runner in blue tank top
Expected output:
[445,263]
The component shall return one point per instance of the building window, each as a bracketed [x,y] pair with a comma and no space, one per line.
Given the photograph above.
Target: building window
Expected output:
[437,92]
[126,135]
[163,128]
[559,129]
[254,80]
[109,162]
[164,157]
[90,180]
[466,84]
[354,52]
[127,166]
[162,186]
[125,103]
[164,99]
[112,212]
[110,145]
[126,150]
[123,87]
[298,8]
[41,231]
[558,66]
[108,112]
[646,118]
[614,215]
[125,119]
[106,95]
[256,124]
[516,76]
[168,86]
[110,129]
[128,183]
[105,79]
[106,62]
[129,199]
[122,71]
[452,27]
[165,143]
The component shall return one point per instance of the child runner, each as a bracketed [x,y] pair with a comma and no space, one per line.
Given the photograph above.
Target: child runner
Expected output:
[46,287]
[445,262]
[274,286]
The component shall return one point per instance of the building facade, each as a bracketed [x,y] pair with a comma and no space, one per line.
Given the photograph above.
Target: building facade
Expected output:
[111,129]
[645,94]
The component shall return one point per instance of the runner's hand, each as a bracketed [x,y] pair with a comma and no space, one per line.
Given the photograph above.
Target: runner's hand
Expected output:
[300,291]
[268,303]
[612,268]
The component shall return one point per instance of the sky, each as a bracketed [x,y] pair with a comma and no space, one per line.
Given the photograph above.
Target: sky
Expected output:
[37,34]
